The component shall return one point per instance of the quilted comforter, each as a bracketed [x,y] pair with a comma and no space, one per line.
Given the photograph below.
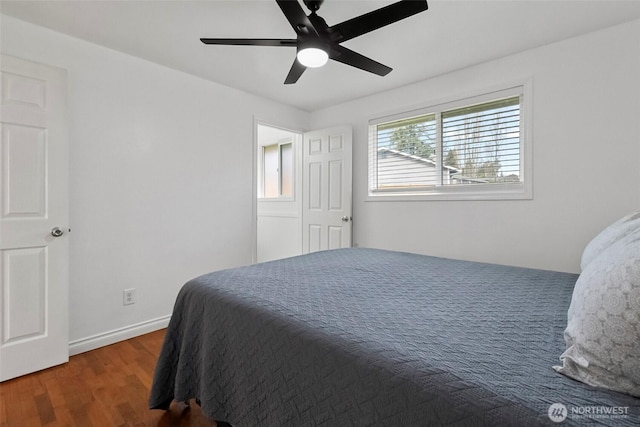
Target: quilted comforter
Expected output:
[367,337]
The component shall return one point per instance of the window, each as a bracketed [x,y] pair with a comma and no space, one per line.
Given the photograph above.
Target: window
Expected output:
[467,149]
[277,170]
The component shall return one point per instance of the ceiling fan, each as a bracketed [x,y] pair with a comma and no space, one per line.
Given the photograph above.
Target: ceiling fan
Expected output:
[316,42]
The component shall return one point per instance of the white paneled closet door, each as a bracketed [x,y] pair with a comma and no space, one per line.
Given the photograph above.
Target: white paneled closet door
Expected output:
[34,218]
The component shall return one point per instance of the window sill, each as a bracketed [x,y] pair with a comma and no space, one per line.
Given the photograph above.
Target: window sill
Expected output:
[515,192]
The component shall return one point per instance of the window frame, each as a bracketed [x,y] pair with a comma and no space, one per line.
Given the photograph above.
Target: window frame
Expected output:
[493,191]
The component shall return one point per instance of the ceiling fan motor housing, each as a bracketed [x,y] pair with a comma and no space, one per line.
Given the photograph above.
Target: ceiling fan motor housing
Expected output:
[313,5]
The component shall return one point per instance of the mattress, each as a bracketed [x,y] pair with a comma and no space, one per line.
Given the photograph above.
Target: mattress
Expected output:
[368,337]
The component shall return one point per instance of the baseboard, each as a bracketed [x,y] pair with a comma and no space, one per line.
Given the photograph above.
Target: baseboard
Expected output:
[117,335]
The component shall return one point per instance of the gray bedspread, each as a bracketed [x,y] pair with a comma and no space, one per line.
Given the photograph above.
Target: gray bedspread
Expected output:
[365,337]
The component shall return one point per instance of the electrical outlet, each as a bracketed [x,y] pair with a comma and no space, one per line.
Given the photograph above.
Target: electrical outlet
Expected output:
[129,296]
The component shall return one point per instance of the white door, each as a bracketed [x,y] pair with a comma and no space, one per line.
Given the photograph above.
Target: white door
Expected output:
[34,332]
[326,213]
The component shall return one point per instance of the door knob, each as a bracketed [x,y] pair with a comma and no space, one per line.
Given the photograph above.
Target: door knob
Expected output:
[345,219]
[57,232]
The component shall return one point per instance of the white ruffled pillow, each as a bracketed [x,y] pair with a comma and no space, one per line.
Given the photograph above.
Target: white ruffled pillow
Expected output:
[609,236]
[603,328]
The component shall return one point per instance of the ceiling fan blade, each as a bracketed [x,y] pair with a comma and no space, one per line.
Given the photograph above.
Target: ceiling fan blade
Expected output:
[349,57]
[297,18]
[378,18]
[295,72]
[251,42]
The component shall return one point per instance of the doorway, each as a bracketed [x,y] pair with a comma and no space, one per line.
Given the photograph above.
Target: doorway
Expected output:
[303,183]
[279,193]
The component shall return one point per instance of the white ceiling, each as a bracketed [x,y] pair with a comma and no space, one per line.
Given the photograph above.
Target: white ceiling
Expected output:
[452,34]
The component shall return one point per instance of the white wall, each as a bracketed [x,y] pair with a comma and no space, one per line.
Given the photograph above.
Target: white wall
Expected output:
[586,153]
[161,178]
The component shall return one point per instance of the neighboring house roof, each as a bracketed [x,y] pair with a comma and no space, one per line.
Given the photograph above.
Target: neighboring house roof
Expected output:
[468,180]
[416,158]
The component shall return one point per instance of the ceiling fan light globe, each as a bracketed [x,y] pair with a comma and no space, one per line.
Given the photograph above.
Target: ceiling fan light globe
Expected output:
[312,57]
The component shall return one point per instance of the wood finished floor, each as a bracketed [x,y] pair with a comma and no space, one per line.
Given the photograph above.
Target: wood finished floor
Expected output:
[104,387]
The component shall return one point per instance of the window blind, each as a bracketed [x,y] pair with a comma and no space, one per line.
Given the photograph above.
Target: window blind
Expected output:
[482,142]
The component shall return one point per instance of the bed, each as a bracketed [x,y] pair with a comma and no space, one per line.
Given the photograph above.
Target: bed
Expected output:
[369,337]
